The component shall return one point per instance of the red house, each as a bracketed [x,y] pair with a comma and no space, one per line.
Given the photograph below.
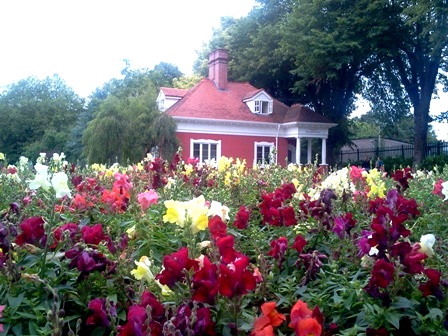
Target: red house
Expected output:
[220,118]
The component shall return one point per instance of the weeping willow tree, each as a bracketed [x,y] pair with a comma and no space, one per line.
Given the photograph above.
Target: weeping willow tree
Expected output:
[127,126]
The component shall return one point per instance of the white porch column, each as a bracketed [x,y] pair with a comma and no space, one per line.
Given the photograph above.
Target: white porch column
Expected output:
[324,151]
[298,151]
[309,150]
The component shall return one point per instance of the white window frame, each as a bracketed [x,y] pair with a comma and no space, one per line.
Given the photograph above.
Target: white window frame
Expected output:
[261,108]
[201,143]
[263,144]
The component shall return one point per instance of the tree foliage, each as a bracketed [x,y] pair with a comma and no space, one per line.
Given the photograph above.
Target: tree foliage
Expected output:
[37,116]
[326,52]
[126,123]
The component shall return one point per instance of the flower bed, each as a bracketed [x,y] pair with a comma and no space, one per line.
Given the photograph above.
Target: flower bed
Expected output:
[201,249]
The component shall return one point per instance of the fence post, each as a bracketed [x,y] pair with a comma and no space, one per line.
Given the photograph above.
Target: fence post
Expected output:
[357,153]
[402,151]
[438,147]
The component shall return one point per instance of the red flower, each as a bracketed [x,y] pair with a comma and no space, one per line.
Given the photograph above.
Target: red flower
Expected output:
[242,218]
[205,282]
[438,188]
[278,250]
[136,322]
[137,317]
[431,287]
[402,176]
[382,273]
[32,232]
[288,216]
[377,332]
[299,243]
[175,266]
[226,250]
[217,227]
[263,326]
[235,279]
[93,235]
[58,233]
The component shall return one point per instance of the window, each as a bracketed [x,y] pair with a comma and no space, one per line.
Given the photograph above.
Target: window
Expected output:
[161,104]
[263,107]
[205,149]
[263,152]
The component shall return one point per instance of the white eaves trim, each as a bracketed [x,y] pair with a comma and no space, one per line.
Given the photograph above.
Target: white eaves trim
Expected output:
[252,128]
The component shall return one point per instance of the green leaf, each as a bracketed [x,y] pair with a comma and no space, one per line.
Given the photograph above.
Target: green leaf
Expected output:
[14,302]
[435,313]
[393,318]
[402,303]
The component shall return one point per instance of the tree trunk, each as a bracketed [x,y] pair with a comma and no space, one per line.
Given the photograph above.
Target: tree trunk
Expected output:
[421,119]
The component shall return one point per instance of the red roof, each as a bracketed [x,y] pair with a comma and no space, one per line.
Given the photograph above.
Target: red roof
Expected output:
[207,102]
[172,92]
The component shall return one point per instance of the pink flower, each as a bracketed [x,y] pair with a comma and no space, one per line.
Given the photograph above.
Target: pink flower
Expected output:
[2,308]
[146,199]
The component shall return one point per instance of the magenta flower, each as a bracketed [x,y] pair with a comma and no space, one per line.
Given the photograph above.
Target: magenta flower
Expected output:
[121,182]
[32,232]
[147,198]
[100,313]
[93,235]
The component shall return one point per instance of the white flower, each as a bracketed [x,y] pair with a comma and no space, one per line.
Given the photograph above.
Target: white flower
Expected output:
[445,190]
[216,208]
[41,178]
[426,243]
[60,186]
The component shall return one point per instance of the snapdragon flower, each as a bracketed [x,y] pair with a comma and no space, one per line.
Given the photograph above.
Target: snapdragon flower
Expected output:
[182,212]
[426,244]
[59,182]
[41,179]
[445,190]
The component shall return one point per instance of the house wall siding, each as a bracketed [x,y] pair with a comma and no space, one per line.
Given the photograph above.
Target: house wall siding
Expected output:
[235,146]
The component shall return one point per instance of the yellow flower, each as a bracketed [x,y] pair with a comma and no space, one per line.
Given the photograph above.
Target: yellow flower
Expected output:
[2,156]
[224,163]
[131,232]
[142,271]
[188,169]
[194,211]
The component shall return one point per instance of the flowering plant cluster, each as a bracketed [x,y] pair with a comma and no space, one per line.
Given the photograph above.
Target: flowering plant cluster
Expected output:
[187,248]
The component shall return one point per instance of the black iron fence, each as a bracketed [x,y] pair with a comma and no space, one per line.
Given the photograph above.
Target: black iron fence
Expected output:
[403,151]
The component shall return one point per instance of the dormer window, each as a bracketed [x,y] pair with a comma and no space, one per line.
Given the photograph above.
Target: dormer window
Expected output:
[259,102]
[263,107]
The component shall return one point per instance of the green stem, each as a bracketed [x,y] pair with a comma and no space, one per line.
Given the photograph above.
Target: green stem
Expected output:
[43,266]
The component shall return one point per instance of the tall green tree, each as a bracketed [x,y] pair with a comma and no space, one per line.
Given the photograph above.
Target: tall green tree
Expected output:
[37,116]
[416,51]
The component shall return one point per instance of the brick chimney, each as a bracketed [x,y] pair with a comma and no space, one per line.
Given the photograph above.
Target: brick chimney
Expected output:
[217,68]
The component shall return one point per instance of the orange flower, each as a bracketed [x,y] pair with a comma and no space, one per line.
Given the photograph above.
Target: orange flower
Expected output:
[308,327]
[299,312]
[263,326]
[303,322]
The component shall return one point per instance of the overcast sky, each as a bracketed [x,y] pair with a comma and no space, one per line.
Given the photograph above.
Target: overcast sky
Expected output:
[85,42]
